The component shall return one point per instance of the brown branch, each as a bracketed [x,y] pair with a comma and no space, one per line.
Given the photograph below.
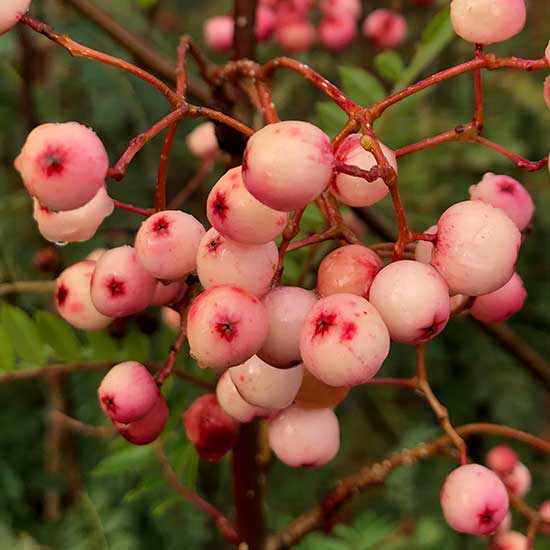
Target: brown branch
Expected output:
[244,37]
[81,427]
[21,287]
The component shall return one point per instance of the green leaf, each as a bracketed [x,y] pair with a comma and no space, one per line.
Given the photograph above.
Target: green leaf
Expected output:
[329,117]
[136,345]
[162,506]
[59,335]
[7,356]
[361,86]
[23,334]
[102,346]
[389,64]
[436,36]
[129,458]
[187,465]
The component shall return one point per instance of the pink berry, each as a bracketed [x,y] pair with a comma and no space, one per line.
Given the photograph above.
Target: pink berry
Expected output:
[505,525]
[63,165]
[171,318]
[167,243]
[355,191]
[512,540]
[266,21]
[120,285]
[518,480]
[95,254]
[474,500]
[147,428]
[344,340]
[286,308]
[487,21]
[73,301]
[221,261]
[314,394]
[296,37]
[350,269]
[212,432]
[477,248]
[304,437]
[544,513]
[202,141]
[458,304]
[337,33]
[500,304]
[165,294]
[385,28]
[225,326]
[340,8]
[287,164]
[10,13]
[547,53]
[424,249]
[546,91]
[218,32]
[75,225]
[237,215]
[127,392]
[233,404]
[412,299]
[501,459]
[265,386]
[507,194]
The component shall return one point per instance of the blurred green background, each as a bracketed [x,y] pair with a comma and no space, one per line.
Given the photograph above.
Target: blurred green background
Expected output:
[112,494]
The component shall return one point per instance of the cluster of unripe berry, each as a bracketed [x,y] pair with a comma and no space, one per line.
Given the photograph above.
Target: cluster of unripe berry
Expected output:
[288,22]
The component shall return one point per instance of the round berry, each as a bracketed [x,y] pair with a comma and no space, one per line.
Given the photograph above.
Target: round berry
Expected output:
[171,319]
[544,513]
[202,141]
[546,91]
[386,29]
[212,432]
[350,269]
[286,308]
[502,459]
[120,285]
[10,13]
[304,437]
[337,33]
[218,32]
[344,340]
[340,8]
[266,22]
[507,194]
[95,254]
[518,480]
[412,299]
[314,394]
[287,164]
[225,326]
[147,428]
[221,261]
[296,36]
[127,392]
[424,249]
[355,191]
[166,294]
[63,165]
[237,215]
[512,540]
[76,225]
[487,21]
[474,500]
[167,243]
[505,525]
[73,301]
[477,248]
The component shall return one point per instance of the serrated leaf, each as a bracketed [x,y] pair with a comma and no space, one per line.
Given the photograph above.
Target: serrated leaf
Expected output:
[7,356]
[59,336]
[129,458]
[23,334]
[389,64]
[102,346]
[329,117]
[361,86]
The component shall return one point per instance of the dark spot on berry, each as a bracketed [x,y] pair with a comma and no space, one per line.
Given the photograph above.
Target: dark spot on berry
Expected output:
[109,402]
[349,330]
[507,188]
[160,227]
[61,295]
[323,323]
[434,328]
[214,244]
[227,329]
[116,287]
[52,161]
[486,517]
[219,206]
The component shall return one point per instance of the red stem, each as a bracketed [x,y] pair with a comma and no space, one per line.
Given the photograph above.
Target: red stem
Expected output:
[134,209]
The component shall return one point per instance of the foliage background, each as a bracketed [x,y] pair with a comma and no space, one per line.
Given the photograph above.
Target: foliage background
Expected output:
[123,502]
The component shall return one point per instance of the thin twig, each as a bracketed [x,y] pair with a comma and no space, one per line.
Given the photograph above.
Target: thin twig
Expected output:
[21,287]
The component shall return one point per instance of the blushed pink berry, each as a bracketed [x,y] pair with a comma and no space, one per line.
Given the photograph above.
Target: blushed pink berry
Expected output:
[120,285]
[287,164]
[218,32]
[165,294]
[167,243]
[147,428]
[226,325]
[95,254]
[286,308]
[546,91]
[547,53]
[477,248]
[518,480]
[237,215]
[355,191]
[337,33]
[544,513]
[344,340]
[233,404]
[221,261]
[424,249]
[386,29]
[474,500]
[412,299]
[63,165]
[501,459]
[10,13]
[202,141]
[314,394]
[304,437]
[505,525]
[210,429]
[487,21]
[76,225]
[171,318]
[512,540]
[266,22]
[340,8]
[350,269]
[266,386]
[296,36]
[507,194]
[127,392]
[500,304]
[73,301]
